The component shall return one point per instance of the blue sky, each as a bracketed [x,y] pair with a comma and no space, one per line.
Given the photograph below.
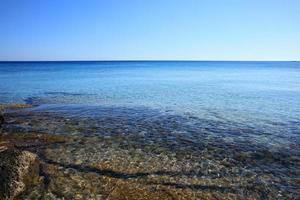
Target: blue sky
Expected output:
[150,30]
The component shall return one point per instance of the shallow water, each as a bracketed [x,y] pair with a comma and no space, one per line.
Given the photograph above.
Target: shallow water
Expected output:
[194,129]
[149,148]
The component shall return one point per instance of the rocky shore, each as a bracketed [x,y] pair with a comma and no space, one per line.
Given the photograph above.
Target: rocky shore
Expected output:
[20,170]
[132,154]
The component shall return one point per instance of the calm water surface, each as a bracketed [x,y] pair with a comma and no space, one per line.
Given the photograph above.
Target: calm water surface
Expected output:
[211,111]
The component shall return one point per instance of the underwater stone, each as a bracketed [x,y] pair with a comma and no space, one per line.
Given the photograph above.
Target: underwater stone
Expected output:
[12,107]
[19,170]
[1,116]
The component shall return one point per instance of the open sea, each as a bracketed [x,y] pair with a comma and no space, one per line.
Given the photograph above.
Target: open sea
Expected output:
[228,129]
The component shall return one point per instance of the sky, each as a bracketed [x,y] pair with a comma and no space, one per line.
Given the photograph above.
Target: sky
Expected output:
[149,30]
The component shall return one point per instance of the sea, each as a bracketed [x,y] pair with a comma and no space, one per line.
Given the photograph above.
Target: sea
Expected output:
[201,113]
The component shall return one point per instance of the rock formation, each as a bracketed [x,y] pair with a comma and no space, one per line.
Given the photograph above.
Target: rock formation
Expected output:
[19,170]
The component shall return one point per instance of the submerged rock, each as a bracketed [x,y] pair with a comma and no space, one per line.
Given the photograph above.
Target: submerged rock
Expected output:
[1,119]
[33,140]
[19,170]
[11,107]
[17,106]
[1,116]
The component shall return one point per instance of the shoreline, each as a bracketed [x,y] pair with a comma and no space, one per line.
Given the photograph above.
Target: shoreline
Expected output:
[114,163]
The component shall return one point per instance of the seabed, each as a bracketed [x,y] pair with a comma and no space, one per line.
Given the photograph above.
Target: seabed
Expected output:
[94,152]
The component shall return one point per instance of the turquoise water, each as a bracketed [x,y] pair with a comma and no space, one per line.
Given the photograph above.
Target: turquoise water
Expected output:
[246,92]
[236,120]
[261,95]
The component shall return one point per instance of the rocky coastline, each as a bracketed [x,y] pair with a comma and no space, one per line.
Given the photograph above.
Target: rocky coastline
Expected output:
[20,169]
[120,155]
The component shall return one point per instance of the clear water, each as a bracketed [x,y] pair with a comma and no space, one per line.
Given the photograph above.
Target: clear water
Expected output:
[240,91]
[263,95]
[211,110]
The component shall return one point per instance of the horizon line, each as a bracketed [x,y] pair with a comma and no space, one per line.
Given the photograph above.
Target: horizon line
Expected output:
[150,60]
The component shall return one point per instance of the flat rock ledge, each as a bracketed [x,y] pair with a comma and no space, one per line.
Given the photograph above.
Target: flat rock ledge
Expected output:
[19,170]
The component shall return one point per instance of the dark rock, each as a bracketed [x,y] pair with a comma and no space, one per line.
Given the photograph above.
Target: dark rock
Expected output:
[1,117]
[19,171]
